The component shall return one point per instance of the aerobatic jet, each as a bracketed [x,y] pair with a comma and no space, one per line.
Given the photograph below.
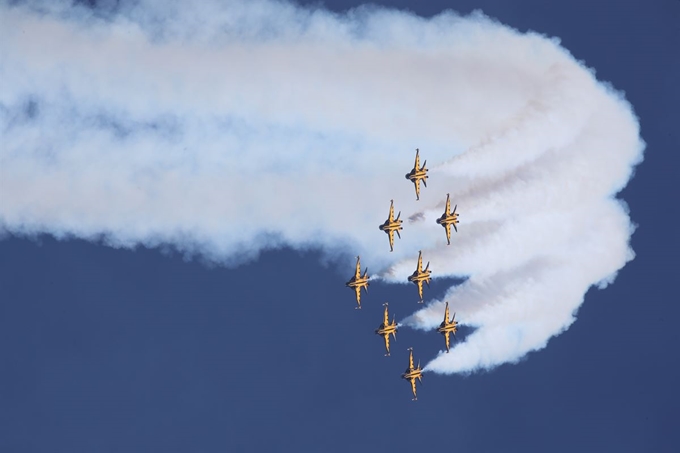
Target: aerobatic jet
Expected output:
[448,218]
[412,373]
[418,174]
[448,327]
[386,329]
[391,225]
[419,276]
[357,282]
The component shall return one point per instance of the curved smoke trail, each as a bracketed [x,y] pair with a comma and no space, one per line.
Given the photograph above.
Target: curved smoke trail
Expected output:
[147,123]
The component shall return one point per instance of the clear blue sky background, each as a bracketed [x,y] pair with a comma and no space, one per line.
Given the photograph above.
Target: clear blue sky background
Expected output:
[105,350]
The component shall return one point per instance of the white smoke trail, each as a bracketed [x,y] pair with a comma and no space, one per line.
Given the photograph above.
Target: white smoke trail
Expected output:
[230,128]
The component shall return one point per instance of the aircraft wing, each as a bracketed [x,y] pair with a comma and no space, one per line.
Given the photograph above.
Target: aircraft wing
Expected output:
[448,205]
[446,313]
[357,291]
[413,387]
[386,320]
[447,227]
[417,183]
[410,360]
[416,166]
[420,261]
[390,218]
[391,237]
[387,342]
[357,272]
[420,289]
[446,335]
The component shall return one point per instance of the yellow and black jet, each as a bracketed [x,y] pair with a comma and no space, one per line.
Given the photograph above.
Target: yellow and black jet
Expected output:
[418,174]
[419,276]
[391,225]
[448,218]
[386,329]
[448,327]
[357,282]
[412,373]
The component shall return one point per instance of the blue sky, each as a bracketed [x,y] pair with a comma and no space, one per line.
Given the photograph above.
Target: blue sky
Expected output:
[144,349]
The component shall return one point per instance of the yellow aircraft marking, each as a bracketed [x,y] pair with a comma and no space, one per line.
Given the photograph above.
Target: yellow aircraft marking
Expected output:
[448,218]
[413,373]
[391,225]
[419,275]
[357,282]
[418,174]
[387,328]
[448,327]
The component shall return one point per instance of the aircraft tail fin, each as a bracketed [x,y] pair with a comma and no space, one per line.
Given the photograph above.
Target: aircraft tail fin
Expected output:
[424,182]
[423,167]
[399,214]
[398,233]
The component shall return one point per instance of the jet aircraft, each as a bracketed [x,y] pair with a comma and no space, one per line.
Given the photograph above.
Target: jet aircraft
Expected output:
[391,225]
[419,276]
[412,373]
[357,282]
[418,174]
[448,218]
[386,329]
[448,327]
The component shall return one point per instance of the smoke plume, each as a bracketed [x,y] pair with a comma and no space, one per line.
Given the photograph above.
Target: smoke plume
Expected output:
[229,128]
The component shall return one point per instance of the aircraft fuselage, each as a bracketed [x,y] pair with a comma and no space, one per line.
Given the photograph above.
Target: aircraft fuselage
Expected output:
[416,175]
[391,226]
[360,282]
[442,329]
[448,219]
[420,277]
[412,374]
[382,330]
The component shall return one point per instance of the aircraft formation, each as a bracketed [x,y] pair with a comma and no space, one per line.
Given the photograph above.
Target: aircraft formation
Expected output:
[394,225]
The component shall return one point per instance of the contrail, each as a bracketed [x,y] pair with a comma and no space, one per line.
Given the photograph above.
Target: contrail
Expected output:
[230,128]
